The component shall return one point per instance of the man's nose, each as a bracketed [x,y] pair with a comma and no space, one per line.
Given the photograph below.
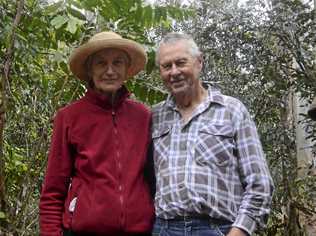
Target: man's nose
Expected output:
[174,70]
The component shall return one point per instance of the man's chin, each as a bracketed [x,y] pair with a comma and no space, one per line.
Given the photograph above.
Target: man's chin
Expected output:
[179,91]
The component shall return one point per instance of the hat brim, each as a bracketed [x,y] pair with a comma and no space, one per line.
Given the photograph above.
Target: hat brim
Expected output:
[135,51]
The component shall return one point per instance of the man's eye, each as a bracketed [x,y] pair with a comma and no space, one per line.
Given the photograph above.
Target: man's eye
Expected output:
[166,66]
[181,63]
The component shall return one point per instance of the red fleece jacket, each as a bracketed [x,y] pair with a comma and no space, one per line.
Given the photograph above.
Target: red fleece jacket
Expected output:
[97,157]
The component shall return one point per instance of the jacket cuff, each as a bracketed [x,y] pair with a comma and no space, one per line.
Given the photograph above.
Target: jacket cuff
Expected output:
[245,223]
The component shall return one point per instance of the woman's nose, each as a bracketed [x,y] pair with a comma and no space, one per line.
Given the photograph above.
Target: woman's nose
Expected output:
[109,69]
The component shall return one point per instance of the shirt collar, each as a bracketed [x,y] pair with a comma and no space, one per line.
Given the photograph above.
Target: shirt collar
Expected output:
[213,96]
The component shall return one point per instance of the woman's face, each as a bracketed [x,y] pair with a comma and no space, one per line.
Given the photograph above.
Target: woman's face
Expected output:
[108,70]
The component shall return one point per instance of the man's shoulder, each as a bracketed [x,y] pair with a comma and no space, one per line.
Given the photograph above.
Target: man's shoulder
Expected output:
[232,101]
[159,106]
[231,104]
[160,113]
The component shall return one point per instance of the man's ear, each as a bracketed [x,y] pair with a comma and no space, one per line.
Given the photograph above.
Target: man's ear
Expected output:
[200,61]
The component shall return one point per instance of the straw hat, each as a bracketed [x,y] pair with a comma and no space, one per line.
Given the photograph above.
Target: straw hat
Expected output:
[104,40]
[312,110]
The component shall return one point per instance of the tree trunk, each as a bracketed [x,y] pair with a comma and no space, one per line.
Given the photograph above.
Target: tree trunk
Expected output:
[5,79]
[292,225]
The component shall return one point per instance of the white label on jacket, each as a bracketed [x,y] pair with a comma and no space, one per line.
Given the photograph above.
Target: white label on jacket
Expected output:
[72,205]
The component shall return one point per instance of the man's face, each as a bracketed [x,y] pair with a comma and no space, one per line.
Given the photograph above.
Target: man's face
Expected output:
[108,69]
[178,68]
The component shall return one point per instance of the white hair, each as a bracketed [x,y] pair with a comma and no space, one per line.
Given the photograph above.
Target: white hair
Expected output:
[175,37]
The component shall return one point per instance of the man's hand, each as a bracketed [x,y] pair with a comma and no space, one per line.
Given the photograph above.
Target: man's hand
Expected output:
[236,232]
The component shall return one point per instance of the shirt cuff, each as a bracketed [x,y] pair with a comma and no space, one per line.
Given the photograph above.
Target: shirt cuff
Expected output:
[245,223]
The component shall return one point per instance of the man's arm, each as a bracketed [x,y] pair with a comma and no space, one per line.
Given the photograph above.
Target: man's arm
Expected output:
[255,177]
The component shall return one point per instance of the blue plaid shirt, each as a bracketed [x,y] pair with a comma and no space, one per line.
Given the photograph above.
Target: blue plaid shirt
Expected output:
[212,164]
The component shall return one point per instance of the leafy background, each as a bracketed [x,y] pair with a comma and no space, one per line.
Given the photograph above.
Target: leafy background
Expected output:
[262,52]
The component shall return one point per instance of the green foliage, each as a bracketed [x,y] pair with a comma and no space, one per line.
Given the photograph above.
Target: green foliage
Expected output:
[260,56]
[40,83]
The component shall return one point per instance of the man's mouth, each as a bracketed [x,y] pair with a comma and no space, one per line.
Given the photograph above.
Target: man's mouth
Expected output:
[177,82]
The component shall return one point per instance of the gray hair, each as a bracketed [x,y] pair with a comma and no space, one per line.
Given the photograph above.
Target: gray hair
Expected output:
[175,37]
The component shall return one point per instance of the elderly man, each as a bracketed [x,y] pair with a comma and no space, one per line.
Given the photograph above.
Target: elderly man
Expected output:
[212,176]
[94,182]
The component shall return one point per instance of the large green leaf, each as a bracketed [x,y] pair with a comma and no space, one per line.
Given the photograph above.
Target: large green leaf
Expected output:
[59,21]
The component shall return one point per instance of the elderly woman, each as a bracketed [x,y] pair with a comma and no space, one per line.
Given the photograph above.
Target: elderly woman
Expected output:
[94,182]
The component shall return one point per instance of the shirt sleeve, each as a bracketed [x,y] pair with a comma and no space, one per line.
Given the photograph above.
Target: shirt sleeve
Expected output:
[57,179]
[255,177]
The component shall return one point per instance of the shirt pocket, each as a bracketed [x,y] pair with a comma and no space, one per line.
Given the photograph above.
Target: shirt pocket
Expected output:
[161,140]
[215,145]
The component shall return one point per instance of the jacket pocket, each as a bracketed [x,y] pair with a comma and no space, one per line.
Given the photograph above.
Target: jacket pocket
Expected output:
[215,145]
[97,208]
[71,202]
[80,210]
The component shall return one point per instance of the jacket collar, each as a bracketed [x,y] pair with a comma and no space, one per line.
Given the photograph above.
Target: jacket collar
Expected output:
[105,101]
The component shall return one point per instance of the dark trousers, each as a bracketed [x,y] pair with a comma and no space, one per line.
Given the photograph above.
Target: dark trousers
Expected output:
[191,227]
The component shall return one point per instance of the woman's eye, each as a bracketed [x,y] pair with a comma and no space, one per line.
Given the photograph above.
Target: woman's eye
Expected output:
[118,62]
[99,62]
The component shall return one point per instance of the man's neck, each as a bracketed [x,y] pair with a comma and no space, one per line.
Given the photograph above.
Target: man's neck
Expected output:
[190,99]
[187,102]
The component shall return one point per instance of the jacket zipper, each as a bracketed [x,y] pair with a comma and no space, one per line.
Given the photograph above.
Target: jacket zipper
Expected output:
[113,119]
[119,167]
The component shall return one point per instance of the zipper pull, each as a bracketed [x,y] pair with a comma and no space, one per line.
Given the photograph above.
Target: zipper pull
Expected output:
[113,117]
